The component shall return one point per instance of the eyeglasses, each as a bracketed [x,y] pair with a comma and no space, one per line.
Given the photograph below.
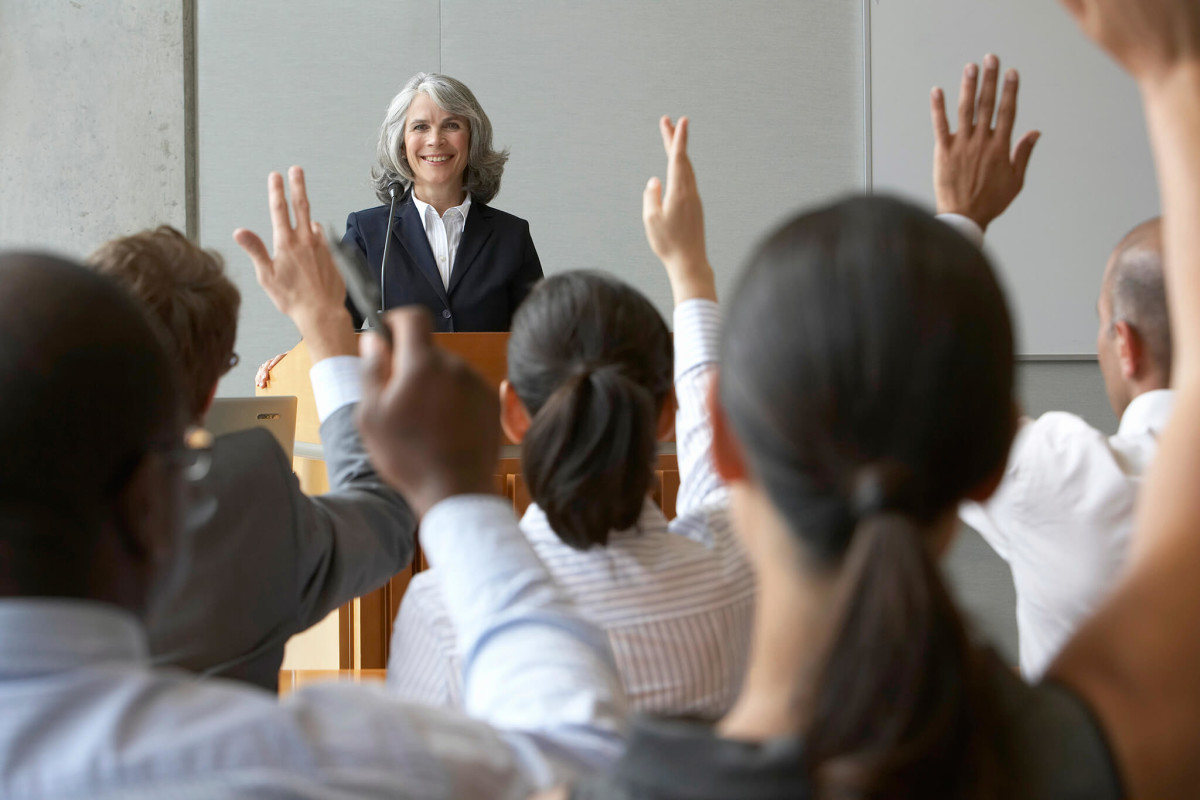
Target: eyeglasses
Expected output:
[194,457]
[234,360]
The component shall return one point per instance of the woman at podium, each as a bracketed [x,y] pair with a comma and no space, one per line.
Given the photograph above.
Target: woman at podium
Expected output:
[470,264]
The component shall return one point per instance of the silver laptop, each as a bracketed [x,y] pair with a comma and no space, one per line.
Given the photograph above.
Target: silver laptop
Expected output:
[276,414]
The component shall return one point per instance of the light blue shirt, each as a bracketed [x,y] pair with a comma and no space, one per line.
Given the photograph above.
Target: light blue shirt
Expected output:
[84,716]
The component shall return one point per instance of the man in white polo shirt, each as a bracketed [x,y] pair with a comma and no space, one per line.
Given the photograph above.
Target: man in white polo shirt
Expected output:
[1063,514]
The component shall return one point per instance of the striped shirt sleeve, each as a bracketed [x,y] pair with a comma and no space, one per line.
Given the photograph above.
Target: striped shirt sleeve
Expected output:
[697,348]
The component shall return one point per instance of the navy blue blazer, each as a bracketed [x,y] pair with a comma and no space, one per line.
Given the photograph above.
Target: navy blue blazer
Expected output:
[495,267]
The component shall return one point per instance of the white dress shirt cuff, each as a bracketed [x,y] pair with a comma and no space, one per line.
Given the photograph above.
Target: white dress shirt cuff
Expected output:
[697,335]
[336,382]
[968,227]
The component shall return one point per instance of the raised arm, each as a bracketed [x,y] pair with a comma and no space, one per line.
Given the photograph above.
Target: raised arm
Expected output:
[352,539]
[1138,659]
[976,171]
[674,223]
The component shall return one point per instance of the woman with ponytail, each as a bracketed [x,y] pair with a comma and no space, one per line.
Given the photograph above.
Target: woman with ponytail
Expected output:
[865,390]
[593,382]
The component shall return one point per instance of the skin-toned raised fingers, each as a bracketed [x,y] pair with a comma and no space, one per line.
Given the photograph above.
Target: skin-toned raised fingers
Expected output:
[300,204]
[966,99]
[652,200]
[679,166]
[1022,153]
[1007,117]
[376,356]
[249,241]
[264,266]
[941,124]
[667,129]
[412,336]
[281,223]
[987,93]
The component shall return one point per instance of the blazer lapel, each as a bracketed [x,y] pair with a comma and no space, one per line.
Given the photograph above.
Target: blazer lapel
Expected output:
[411,233]
[475,235]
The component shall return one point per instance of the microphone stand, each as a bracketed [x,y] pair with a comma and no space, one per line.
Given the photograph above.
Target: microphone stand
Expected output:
[393,190]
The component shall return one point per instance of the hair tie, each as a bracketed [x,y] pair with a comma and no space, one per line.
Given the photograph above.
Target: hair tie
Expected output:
[883,487]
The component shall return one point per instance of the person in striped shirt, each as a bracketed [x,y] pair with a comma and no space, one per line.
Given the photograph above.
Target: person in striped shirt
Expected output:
[588,395]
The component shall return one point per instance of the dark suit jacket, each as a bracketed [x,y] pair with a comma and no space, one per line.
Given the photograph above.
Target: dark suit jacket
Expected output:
[258,560]
[495,267]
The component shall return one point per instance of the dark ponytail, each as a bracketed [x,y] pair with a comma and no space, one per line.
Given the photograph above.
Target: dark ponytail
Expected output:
[591,359]
[899,703]
[867,372]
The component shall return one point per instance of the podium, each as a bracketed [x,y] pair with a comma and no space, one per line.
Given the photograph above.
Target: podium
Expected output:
[364,626]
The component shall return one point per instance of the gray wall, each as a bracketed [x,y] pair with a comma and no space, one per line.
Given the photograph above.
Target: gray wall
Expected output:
[574,89]
[92,127]
[1091,178]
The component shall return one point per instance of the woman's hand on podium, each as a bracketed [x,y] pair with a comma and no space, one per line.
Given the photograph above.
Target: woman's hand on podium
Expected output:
[674,220]
[430,423]
[262,378]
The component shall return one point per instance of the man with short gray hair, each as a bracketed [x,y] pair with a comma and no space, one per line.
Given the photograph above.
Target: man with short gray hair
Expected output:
[1063,514]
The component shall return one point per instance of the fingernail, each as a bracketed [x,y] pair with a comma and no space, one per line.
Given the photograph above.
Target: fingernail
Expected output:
[990,61]
[971,70]
[1011,76]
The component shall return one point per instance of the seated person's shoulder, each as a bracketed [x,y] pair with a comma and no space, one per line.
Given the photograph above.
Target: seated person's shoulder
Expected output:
[248,458]
[1054,431]
[1045,726]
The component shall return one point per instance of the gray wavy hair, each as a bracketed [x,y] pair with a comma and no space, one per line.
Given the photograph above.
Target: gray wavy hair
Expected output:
[485,166]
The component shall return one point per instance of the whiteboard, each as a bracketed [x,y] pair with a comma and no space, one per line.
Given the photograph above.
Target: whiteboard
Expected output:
[775,88]
[1091,178]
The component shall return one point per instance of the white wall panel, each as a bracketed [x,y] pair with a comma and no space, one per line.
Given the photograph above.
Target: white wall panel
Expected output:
[1091,178]
[281,83]
[774,89]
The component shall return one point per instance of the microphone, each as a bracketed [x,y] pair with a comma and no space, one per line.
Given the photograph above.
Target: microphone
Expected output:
[394,191]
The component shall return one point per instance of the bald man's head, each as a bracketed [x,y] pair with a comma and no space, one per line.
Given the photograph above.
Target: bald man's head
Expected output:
[1134,293]
[86,391]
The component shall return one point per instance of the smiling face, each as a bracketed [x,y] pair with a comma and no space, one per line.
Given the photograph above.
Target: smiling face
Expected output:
[436,144]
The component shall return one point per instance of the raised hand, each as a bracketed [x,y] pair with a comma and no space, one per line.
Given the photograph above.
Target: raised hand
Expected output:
[976,171]
[675,221]
[1147,37]
[301,279]
[430,423]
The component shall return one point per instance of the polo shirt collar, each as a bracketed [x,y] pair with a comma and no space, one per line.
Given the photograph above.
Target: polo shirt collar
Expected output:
[1147,413]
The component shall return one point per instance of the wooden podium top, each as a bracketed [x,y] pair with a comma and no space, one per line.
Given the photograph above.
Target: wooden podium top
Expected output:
[486,352]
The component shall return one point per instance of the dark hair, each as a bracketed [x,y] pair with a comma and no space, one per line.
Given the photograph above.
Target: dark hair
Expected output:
[89,390]
[867,370]
[592,360]
[186,290]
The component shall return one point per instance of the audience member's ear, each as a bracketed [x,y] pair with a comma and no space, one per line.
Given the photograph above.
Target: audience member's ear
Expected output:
[212,395]
[666,418]
[514,417]
[1129,350]
[146,509]
[726,450]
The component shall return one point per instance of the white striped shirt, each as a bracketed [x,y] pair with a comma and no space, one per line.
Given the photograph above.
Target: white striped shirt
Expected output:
[675,599]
